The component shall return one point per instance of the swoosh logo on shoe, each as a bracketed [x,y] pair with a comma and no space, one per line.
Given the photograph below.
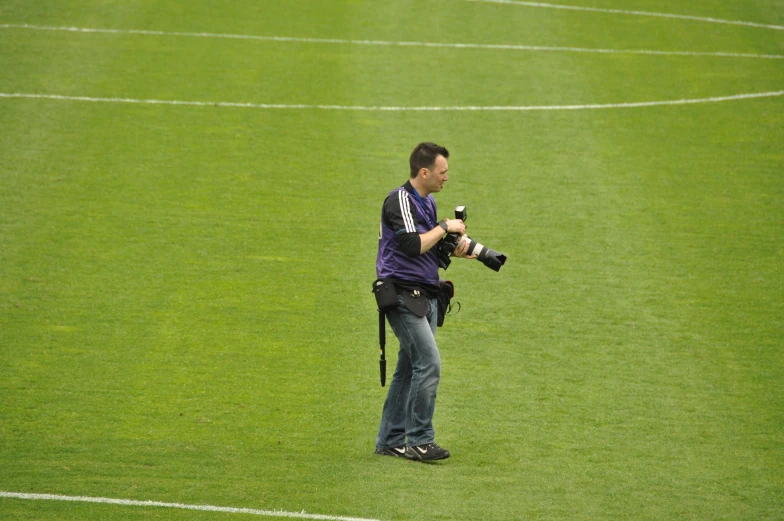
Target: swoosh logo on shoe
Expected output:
[400,450]
[423,451]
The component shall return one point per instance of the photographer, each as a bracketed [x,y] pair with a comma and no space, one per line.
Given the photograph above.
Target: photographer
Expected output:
[408,252]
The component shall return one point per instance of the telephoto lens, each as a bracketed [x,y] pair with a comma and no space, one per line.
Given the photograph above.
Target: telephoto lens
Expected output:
[490,258]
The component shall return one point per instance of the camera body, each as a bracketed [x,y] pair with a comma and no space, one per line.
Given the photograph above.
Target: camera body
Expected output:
[490,258]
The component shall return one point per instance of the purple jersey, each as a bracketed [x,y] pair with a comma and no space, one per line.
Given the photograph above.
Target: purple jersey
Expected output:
[405,212]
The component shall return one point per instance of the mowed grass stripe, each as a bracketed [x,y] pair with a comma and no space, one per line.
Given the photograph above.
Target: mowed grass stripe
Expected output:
[512,47]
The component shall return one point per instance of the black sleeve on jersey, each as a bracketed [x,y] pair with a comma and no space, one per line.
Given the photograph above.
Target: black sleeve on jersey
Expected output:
[399,218]
[410,243]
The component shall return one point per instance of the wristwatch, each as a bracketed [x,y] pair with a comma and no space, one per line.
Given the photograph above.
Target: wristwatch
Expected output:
[442,224]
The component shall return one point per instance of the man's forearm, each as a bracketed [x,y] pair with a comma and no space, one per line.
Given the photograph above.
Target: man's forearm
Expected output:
[430,239]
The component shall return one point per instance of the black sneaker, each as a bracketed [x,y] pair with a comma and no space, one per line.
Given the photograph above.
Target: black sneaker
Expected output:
[427,452]
[398,452]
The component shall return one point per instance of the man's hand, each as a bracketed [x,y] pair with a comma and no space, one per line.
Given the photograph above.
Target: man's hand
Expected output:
[462,248]
[455,225]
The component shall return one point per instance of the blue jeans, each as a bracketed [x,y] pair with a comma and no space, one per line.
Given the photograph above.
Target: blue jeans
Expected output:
[411,400]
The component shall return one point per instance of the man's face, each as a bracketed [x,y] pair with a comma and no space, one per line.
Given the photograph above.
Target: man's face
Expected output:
[437,175]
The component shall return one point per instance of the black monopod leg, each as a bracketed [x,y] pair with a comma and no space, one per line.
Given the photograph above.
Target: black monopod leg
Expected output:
[382,339]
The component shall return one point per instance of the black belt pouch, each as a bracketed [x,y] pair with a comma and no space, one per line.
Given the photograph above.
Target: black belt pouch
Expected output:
[386,294]
[416,302]
[445,294]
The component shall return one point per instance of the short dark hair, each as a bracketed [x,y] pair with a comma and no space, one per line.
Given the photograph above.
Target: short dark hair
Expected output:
[424,156]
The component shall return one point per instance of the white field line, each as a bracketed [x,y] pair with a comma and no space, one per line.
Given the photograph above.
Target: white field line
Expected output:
[229,104]
[634,13]
[447,45]
[205,508]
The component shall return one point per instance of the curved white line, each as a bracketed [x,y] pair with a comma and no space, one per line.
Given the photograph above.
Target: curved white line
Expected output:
[636,13]
[512,108]
[205,508]
[390,43]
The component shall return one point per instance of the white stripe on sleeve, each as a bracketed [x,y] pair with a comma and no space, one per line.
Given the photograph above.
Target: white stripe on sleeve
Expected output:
[405,209]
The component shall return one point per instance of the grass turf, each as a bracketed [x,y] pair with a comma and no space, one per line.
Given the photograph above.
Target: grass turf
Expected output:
[185,312]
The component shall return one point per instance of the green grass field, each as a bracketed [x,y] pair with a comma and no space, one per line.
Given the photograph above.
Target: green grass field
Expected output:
[185,307]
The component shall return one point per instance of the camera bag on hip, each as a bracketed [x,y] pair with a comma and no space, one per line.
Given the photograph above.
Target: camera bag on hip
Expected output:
[386,294]
[445,294]
[416,302]
[386,299]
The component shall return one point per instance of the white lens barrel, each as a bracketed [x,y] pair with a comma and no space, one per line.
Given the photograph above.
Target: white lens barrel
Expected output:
[475,248]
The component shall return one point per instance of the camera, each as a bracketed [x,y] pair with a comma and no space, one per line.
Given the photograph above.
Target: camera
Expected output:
[490,258]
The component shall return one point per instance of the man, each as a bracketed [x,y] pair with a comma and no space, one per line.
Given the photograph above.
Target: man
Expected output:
[408,253]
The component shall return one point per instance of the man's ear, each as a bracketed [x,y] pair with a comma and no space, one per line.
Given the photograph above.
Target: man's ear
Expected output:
[423,172]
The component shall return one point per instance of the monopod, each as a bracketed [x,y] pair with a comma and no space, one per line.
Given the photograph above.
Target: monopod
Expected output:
[382,339]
